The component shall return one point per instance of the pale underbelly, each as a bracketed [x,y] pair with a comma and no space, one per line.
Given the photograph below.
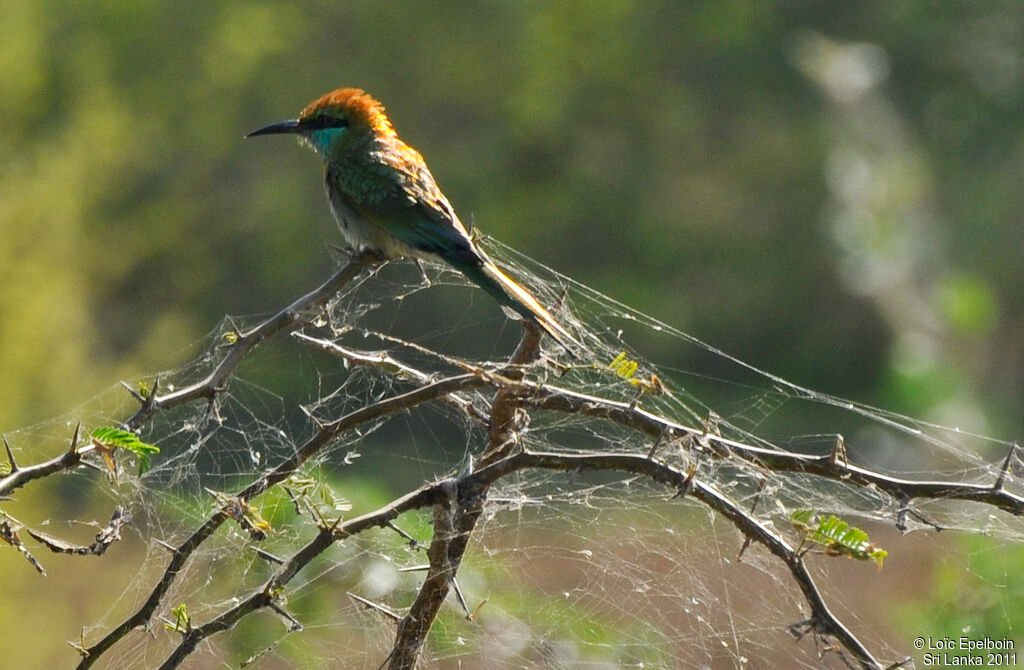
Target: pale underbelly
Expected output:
[361,235]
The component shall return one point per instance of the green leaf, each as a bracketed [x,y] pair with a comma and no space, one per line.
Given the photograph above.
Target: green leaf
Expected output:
[623,366]
[182,620]
[111,437]
[836,536]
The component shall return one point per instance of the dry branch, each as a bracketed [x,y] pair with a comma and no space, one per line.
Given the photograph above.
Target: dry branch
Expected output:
[19,476]
[289,317]
[456,517]
[457,502]
[323,437]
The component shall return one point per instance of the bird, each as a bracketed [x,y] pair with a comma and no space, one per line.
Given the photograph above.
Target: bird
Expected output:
[387,202]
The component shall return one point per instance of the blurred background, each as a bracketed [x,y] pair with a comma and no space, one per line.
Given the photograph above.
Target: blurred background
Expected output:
[830,192]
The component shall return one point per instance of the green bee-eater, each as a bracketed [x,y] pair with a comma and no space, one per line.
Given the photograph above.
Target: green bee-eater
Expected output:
[386,200]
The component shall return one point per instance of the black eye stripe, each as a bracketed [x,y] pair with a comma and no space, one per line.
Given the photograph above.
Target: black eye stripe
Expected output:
[324,121]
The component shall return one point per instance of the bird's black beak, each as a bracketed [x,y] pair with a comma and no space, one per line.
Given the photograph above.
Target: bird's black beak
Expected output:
[279,128]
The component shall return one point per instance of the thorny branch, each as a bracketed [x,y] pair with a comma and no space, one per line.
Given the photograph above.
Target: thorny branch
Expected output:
[455,519]
[287,318]
[550,397]
[19,476]
[443,496]
[776,460]
[458,501]
[322,438]
[154,403]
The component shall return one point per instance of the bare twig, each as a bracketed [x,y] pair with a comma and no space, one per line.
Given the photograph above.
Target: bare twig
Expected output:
[455,519]
[776,460]
[502,429]
[287,318]
[324,436]
[834,465]
[377,607]
[458,502]
[106,537]
[413,628]
[383,361]
[825,621]
[418,499]
[9,534]
[413,542]
[449,543]
[19,476]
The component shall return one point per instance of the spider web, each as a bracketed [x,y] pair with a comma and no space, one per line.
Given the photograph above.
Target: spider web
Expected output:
[565,569]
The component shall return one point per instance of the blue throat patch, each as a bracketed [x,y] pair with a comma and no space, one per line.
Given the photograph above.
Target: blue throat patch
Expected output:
[324,138]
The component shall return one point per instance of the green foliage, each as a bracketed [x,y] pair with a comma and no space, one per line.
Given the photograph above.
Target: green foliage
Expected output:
[108,438]
[968,303]
[836,536]
[975,592]
[182,620]
[623,366]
